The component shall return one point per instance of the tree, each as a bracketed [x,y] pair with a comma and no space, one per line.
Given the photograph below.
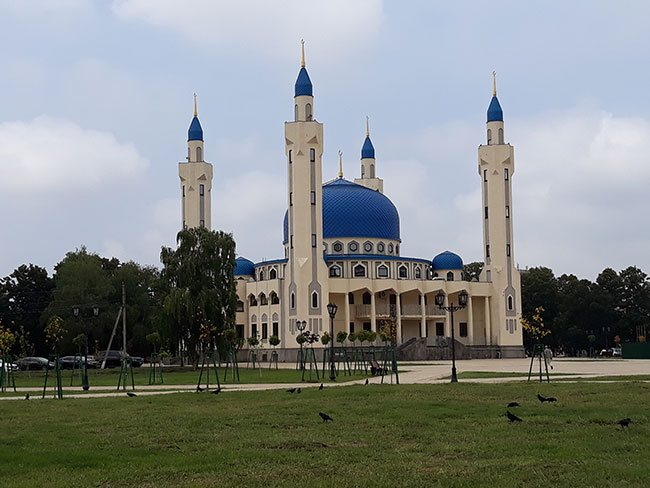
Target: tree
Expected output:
[199,275]
[472,271]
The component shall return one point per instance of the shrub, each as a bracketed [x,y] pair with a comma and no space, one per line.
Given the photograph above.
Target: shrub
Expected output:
[274,340]
[341,336]
[325,338]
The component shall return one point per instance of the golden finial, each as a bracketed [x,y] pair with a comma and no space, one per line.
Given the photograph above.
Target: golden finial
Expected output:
[302,41]
[494,83]
[367,127]
[196,113]
[340,164]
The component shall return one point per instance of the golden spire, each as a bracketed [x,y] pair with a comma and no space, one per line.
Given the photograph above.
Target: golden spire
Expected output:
[196,113]
[494,83]
[302,41]
[367,127]
[340,164]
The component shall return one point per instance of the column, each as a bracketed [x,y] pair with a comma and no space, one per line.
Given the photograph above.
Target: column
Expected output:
[470,322]
[347,313]
[423,319]
[399,318]
[488,325]
[447,318]
[373,312]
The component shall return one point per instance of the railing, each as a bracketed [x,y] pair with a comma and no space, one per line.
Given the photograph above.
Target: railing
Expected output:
[383,310]
[434,310]
[412,309]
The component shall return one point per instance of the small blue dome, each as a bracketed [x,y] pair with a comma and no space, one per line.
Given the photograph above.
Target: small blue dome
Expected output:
[447,260]
[351,210]
[495,114]
[368,150]
[196,132]
[244,267]
[303,83]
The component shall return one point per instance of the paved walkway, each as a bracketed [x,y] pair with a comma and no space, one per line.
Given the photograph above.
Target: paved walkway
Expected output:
[413,373]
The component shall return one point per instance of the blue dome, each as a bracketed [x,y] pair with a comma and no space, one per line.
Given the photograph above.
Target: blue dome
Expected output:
[196,132]
[368,150]
[447,260]
[351,210]
[303,83]
[494,111]
[244,267]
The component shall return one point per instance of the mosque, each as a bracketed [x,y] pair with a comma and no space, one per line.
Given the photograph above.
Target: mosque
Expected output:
[342,245]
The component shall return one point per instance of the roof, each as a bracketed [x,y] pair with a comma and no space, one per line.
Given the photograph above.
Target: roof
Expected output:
[352,210]
[244,267]
[196,131]
[375,257]
[447,260]
[368,150]
[494,112]
[303,84]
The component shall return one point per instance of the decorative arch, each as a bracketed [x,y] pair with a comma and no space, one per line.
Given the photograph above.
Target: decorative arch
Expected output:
[403,271]
[335,271]
[252,300]
[381,247]
[360,271]
[240,306]
[383,271]
[450,276]
[353,247]
[337,247]
[263,299]
[418,272]
[368,247]
[314,300]
[275,300]
[273,274]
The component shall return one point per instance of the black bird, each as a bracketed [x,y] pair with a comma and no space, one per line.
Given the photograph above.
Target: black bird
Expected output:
[624,422]
[543,399]
[299,390]
[27,397]
[216,392]
[320,387]
[325,417]
[513,404]
[292,390]
[512,417]
[366,381]
[130,394]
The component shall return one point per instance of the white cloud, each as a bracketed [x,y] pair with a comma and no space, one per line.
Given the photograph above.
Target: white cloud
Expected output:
[265,28]
[57,155]
[44,7]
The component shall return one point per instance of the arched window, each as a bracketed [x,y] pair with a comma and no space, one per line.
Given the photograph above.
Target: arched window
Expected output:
[263,300]
[403,272]
[390,248]
[199,156]
[273,274]
[359,271]
[275,300]
[253,301]
[290,156]
[240,306]
[418,272]
[372,170]
[511,305]
[397,249]
[450,276]
[366,299]
[335,271]
[351,298]
[500,136]
[296,112]
[312,155]
[382,271]
[261,275]
[308,111]
[353,247]
[338,247]
[367,247]
[314,300]
[489,136]
[292,300]
[189,154]
[381,248]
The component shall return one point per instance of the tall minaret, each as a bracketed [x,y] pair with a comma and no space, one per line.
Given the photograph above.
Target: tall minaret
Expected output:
[496,166]
[307,291]
[368,175]
[196,179]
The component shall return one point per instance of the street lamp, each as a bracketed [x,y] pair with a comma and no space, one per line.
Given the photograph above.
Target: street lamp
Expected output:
[331,309]
[301,326]
[462,303]
[75,312]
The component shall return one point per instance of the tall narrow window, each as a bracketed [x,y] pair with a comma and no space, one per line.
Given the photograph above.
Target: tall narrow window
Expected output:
[450,276]
[290,198]
[500,136]
[489,136]
[201,190]
[488,275]
[202,223]
[486,212]
[276,329]
[199,157]
[351,298]
[273,274]
[296,112]
[265,331]
[312,154]
[290,156]
[485,175]
[292,300]
[308,111]
[313,240]
[291,242]
[366,298]
[359,271]
[183,190]
[487,251]
[314,300]
[507,211]
[462,327]
[313,198]
[372,170]
[505,173]
[510,303]
[507,249]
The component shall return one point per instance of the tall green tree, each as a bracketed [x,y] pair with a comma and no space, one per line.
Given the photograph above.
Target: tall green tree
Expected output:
[199,275]
[472,271]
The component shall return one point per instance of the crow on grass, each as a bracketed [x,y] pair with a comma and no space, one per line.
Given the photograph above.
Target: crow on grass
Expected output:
[320,387]
[216,392]
[130,394]
[27,397]
[624,422]
[292,390]
[513,404]
[366,381]
[199,389]
[545,399]
[512,417]
[325,417]
[299,390]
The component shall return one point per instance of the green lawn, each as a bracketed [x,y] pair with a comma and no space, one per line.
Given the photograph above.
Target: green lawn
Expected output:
[471,375]
[382,436]
[173,376]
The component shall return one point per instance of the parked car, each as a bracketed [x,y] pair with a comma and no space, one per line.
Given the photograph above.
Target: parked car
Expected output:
[8,366]
[114,359]
[34,363]
[69,362]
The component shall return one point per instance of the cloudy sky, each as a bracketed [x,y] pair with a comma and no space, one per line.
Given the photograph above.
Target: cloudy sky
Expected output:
[96,99]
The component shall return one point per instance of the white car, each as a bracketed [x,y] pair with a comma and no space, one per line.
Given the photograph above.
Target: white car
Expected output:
[13,366]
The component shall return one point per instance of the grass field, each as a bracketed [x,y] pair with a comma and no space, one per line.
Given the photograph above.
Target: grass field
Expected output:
[382,436]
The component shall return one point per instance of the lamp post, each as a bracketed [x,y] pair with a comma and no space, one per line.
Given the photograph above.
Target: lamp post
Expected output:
[331,309]
[462,303]
[75,312]
[300,325]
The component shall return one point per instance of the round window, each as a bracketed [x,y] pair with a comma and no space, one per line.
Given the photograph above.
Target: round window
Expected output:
[354,247]
[367,247]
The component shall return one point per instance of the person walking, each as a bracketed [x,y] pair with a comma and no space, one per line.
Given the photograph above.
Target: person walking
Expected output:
[548,356]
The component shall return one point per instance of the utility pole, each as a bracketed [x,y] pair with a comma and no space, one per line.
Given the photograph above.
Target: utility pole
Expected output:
[123,318]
